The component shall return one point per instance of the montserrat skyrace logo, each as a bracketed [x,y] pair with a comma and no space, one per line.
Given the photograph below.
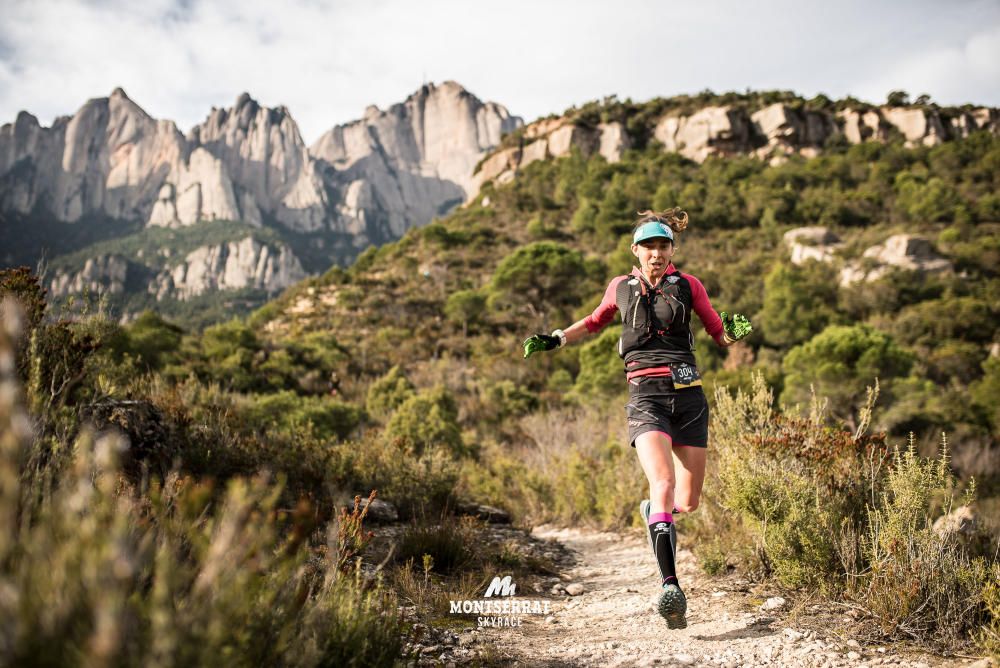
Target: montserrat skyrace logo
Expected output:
[499,607]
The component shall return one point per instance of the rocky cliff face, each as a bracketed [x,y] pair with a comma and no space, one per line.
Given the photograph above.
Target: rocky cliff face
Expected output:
[242,263]
[394,169]
[105,273]
[109,159]
[772,132]
[363,182]
[246,263]
[264,157]
[413,159]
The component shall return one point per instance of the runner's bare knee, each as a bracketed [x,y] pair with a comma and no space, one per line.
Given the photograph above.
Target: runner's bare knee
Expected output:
[661,491]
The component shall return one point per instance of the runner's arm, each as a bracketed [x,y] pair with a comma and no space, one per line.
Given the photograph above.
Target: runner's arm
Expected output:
[701,305]
[577,331]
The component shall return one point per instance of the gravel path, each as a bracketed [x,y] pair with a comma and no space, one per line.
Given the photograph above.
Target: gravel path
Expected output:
[612,622]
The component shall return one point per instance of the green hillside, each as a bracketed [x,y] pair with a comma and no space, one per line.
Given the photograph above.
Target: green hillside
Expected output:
[404,373]
[465,290]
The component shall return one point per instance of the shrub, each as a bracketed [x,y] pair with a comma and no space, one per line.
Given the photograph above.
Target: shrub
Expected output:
[920,581]
[447,544]
[387,393]
[799,302]
[26,290]
[427,419]
[989,635]
[601,368]
[831,508]
[839,362]
[416,484]
[152,339]
[465,307]
[322,417]
[103,573]
[545,277]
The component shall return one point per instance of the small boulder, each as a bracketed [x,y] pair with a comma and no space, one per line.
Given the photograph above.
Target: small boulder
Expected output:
[962,520]
[380,511]
[773,603]
[484,512]
[574,589]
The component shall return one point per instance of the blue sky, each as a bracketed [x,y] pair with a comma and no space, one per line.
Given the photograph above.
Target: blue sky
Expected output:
[326,61]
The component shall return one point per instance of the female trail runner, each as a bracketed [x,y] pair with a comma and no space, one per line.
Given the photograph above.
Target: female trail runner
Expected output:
[667,410]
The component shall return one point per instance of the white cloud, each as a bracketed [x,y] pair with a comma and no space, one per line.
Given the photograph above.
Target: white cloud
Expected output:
[327,60]
[953,74]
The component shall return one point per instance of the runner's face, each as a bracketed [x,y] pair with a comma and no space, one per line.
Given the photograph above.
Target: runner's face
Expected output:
[654,254]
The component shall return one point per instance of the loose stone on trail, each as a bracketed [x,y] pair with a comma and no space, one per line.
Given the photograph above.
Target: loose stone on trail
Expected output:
[773,603]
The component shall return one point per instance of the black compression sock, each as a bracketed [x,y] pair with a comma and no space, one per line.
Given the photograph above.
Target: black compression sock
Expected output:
[664,552]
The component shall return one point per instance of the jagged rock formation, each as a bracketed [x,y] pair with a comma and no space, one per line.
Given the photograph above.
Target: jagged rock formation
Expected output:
[773,132]
[105,273]
[553,138]
[243,263]
[267,162]
[393,169]
[110,158]
[366,182]
[246,263]
[414,159]
[199,190]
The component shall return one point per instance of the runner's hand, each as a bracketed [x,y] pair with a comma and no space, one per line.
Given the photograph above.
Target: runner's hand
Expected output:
[538,342]
[735,326]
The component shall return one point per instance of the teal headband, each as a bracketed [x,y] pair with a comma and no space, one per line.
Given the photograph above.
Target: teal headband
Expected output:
[651,230]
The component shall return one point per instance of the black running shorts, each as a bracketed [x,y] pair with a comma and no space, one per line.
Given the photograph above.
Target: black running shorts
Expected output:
[655,405]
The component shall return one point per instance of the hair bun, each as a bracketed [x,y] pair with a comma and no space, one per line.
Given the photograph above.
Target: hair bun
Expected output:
[676,218]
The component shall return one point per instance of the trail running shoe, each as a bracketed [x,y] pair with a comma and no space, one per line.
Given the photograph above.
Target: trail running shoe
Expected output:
[672,606]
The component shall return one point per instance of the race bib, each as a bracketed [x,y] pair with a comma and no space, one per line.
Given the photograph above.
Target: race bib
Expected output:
[685,375]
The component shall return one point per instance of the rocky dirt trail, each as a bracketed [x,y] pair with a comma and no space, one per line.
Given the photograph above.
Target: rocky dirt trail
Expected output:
[612,622]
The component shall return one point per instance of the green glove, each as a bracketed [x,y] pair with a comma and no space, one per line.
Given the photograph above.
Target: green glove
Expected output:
[735,326]
[538,342]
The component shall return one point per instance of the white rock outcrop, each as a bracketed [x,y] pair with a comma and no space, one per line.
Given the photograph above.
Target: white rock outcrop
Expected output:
[773,132]
[109,159]
[553,138]
[248,162]
[812,243]
[786,130]
[415,159]
[918,126]
[106,273]
[900,251]
[267,162]
[860,126]
[708,131]
[246,263]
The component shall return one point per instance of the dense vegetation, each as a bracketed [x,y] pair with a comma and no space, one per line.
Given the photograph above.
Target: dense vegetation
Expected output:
[404,373]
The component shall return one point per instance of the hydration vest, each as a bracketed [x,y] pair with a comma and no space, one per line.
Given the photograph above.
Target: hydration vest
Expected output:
[655,321]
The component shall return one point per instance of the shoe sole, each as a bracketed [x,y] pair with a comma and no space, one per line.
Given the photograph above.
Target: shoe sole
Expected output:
[672,606]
